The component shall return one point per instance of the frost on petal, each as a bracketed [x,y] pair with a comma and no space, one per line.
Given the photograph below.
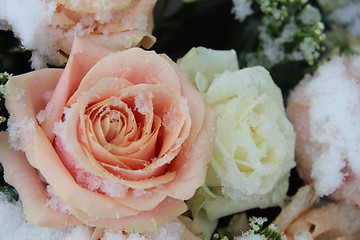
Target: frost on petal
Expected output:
[14,225]
[18,130]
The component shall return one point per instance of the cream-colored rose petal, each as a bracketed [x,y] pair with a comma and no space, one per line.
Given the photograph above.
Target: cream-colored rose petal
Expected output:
[191,163]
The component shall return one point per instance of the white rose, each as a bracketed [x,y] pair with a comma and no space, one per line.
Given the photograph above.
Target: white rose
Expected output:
[255,142]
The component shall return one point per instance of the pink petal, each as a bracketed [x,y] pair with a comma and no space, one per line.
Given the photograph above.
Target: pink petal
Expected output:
[80,62]
[79,200]
[26,96]
[191,163]
[125,64]
[145,221]
[19,173]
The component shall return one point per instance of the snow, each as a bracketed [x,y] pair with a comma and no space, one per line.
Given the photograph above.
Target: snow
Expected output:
[30,24]
[333,95]
[349,17]
[242,9]
[15,227]
[18,129]
[55,202]
[142,102]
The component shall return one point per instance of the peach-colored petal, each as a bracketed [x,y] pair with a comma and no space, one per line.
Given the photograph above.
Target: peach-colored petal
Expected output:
[123,40]
[333,221]
[19,173]
[91,6]
[152,70]
[298,114]
[191,163]
[302,201]
[133,198]
[77,198]
[80,61]
[161,103]
[26,97]
[145,221]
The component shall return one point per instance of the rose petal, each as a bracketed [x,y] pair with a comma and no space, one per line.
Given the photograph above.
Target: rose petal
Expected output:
[52,168]
[191,163]
[19,173]
[80,61]
[153,70]
[145,221]
[333,221]
[123,40]
[25,97]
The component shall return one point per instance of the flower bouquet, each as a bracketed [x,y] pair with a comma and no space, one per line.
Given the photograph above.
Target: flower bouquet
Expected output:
[169,119]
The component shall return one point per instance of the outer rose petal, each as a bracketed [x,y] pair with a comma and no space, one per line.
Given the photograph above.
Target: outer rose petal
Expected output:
[80,62]
[25,97]
[79,200]
[33,194]
[302,201]
[91,6]
[191,163]
[332,222]
[145,221]
[298,114]
[153,70]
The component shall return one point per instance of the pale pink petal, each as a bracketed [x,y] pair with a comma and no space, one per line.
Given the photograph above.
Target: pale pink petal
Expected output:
[80,62]
[77,198]
[26,97]
[123,40]
[298,114]
[33,194]
[302,201]
[152,70]
[91,6]
[191,163]
[145,221]
[333,221]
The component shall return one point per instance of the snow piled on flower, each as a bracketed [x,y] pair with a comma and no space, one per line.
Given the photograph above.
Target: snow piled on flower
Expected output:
[15,227]
[250,237]
[20,132]
[169,231]
[30,24]
[333,96]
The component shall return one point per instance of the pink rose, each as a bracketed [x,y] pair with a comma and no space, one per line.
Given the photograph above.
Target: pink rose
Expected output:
[325,111]
[115,140]
[47,27]
[113,24]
